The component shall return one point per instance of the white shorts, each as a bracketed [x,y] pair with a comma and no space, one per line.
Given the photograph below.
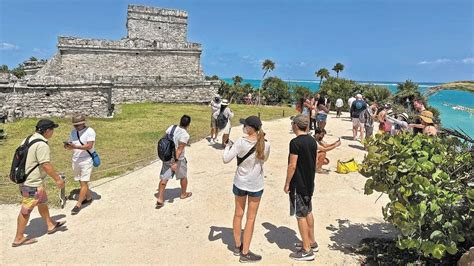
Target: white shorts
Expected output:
[82,169]
[356,123]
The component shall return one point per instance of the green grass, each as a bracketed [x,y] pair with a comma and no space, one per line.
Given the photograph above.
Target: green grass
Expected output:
[129,138]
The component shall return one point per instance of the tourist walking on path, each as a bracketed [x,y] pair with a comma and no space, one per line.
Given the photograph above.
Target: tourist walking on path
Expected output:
[81,142]
[227,115]
[339,105]
[322,113]
[300,186]
[251,152]
[215,107]
[177,166]
[323,149]
[33,190]
[357,107]
[367,118]
[349,102]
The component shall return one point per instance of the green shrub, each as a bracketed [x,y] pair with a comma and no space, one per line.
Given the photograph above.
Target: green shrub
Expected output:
[426,180]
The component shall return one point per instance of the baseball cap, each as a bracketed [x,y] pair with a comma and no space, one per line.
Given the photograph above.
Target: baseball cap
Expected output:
[405,116]
[252,121]
[44,124]
[225,102]
[301,121]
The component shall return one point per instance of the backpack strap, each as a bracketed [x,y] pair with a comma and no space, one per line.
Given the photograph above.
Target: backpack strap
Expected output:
[29,144]
[79,138]
[241,160]
[172,131]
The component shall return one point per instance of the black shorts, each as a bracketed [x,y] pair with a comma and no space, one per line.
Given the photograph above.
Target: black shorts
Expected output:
[300,205]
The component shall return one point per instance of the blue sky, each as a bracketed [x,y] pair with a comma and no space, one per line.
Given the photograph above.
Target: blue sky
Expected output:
[378,40]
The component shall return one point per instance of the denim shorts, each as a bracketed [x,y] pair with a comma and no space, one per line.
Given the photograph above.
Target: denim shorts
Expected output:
[240,193]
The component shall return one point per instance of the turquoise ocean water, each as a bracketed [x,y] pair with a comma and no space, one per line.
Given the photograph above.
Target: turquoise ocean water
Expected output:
[450,118]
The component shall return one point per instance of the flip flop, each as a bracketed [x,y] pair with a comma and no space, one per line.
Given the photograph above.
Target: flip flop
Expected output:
[188,194]
[25,241]
[56,227]
[159,205]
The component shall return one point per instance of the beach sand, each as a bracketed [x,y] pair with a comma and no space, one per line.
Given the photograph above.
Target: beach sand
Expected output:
[123,227]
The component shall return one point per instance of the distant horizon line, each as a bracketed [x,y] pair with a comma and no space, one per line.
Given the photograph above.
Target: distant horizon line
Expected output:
[361,81]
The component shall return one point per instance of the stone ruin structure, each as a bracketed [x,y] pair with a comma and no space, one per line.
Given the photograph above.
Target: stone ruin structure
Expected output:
[154,63]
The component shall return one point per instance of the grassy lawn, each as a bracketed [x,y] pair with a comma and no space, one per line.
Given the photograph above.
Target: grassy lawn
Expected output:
[124,142]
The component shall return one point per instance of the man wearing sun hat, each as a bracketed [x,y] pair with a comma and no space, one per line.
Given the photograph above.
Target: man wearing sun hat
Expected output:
[81,140]
[33,191]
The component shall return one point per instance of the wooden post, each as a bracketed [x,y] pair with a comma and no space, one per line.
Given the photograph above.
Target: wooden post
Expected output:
[259,115]
[283,115]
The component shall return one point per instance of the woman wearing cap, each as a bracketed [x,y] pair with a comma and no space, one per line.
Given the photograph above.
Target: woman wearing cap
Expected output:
[81,140]
[400,124]
[251,152]
[225,110]
[427,123]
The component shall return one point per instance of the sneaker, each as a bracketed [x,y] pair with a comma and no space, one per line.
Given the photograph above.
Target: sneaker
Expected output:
[249,257]
[211,142]
[302,255]
[237,250]
[75,210]
[314,246]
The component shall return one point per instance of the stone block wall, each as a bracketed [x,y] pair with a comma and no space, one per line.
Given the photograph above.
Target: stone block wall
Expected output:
[158,24]
[27,102]
[189,93]
[168,66]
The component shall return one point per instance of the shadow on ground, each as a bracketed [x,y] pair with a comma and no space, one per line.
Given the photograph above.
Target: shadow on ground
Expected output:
[348,138]
[171,194]
[357,147]
[37,227]
[282,236]
[347,236]
[224,233]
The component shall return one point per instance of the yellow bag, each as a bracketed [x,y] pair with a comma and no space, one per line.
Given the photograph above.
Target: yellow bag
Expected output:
[347,167]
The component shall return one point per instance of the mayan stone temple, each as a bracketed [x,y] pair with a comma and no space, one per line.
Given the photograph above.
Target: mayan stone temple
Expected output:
[154,63]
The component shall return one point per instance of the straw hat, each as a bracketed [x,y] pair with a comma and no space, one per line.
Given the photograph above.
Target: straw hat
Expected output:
[78,119]
[427,116]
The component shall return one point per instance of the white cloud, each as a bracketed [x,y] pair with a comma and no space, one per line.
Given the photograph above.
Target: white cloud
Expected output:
[469,60]
[8,46]
[435,62]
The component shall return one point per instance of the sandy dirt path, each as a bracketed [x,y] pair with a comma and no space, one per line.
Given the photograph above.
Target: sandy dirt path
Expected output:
[123,227]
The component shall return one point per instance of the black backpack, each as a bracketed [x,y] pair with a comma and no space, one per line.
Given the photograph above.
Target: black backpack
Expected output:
[221,120]
[166,149]
[17,172]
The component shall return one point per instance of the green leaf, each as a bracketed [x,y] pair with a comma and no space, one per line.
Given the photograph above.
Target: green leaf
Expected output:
[470,193]
[398,206]
[436,234]
[437,158]
[422,207]
[452,248]
[438,251]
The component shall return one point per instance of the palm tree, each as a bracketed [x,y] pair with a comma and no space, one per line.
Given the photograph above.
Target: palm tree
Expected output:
[267,65]
[322,73]
[407,92]
[237,80]
[338,68]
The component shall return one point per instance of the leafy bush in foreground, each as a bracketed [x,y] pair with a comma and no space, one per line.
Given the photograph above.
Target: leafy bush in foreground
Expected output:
[426,180]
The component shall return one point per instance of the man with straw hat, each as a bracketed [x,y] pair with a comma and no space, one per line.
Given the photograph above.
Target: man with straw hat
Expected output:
[81,140]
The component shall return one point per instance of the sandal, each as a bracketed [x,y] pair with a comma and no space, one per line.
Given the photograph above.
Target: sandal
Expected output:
[25,241]
[187,195]
[159,205]
[56,227]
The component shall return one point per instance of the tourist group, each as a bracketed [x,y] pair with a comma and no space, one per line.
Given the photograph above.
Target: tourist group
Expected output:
[307,155]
